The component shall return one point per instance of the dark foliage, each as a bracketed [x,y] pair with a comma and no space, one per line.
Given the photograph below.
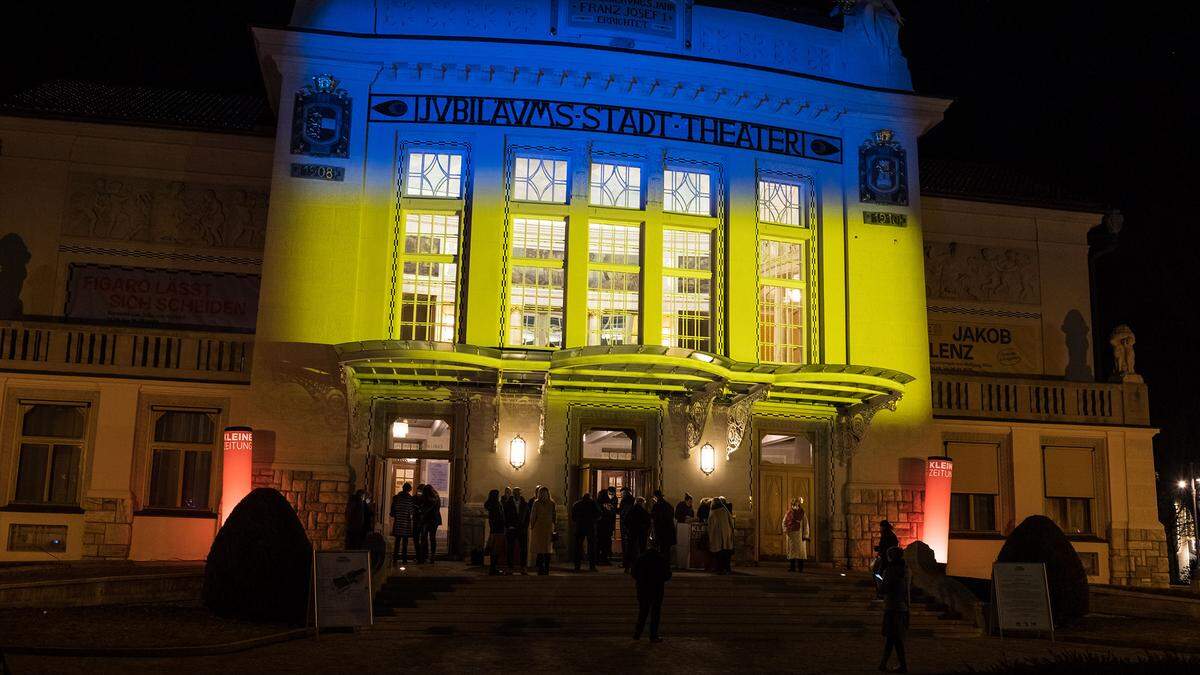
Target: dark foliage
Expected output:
[1038,540]
[258,566]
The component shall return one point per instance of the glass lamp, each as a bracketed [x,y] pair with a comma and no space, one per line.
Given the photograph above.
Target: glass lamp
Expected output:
[516,452]
[708,459]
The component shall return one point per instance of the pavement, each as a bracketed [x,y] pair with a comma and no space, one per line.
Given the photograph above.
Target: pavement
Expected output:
[373,649]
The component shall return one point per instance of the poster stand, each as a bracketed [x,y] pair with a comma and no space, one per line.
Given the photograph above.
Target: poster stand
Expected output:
[1021,598]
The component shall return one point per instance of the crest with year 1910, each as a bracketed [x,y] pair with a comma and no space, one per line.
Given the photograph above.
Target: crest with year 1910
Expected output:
[321,119]
[883,170]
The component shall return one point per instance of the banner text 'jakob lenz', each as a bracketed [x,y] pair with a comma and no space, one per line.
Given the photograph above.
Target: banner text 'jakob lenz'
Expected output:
[606,119]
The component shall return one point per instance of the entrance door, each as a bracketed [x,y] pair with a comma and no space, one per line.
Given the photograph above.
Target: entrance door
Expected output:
[785,472]
[597,479]
[419,452]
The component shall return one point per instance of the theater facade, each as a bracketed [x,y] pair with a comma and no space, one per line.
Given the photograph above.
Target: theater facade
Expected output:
[663,245]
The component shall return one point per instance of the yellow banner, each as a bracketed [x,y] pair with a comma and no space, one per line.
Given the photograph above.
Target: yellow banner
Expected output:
[958,344]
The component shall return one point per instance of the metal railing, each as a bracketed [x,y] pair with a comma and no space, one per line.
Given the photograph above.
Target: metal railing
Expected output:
[34,346]
[1036,400]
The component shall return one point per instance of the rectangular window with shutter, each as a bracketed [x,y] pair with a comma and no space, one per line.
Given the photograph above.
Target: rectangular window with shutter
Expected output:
[975,489]
[1070,475]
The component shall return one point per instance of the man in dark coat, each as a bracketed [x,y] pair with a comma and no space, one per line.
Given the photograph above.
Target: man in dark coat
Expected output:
[607,501]
[584,516]
[623,509]
[418,522]
[663,518]
[522,541]
[402,523]
[360,519]
[684,510]
[637,524]
[512,518]
[651,571]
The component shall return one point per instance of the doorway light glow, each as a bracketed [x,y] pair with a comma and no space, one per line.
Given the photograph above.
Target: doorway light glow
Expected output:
[400,429]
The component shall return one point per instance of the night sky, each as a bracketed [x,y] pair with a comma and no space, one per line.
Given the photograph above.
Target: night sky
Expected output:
[1087,94]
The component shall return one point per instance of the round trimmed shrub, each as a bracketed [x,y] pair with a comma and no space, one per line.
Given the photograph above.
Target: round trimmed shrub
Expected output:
[259,564]
[1038,540]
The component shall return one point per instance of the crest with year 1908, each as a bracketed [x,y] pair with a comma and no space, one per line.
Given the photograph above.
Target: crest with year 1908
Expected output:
[321,119]
[883,170]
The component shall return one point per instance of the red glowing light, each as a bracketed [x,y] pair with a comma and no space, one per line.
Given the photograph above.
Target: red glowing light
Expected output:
[236,467]
[939,472]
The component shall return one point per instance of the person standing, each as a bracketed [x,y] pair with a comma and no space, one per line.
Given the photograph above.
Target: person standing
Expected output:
[795,532]
[418,522]
[662,516]
[584,516]
[897,598]
[360,518]
[683,510]
[542,524]
[521,544]
[512,523]
[431,520]
[704,509]
[402,523]
[496,528]
[651,571]
[607,501]
[623,509]
[720,536]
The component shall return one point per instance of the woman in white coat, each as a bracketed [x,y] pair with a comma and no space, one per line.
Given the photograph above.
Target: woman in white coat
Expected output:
[795,531]
[542,530]
[720,535]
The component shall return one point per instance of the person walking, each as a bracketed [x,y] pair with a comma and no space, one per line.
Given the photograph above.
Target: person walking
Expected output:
[662,516]
[623,509]
[638,523]
[431,520]
[897,598]
[651,572]
[720,536]
[584,516]
[497,542]
[887,540]
[795,532]
[402,523]
[542,524]
[683,510]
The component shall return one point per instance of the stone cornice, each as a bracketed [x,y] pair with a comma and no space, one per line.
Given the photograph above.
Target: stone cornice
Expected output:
[776,95]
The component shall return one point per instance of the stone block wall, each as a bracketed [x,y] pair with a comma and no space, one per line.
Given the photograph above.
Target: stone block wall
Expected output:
[1139,557]
[320,500]
[903,507]
[107,529]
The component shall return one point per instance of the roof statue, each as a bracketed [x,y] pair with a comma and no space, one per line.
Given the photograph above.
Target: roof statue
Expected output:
[1122,341]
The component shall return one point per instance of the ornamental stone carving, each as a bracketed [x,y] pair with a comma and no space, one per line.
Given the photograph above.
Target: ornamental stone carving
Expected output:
[147,210]
[695,410]
[957,271]
[852,423]
[737,416]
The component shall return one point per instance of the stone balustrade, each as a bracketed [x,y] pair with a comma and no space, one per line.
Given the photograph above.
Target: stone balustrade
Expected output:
[1040,400]
[81,349]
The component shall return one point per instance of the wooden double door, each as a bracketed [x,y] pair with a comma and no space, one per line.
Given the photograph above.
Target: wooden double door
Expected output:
[778,484]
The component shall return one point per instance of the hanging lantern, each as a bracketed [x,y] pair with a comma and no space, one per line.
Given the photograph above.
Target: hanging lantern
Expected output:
[708,459]
[516,452]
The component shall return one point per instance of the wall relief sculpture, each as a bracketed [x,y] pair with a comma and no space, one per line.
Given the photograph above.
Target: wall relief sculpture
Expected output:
[159,211]
[955,271]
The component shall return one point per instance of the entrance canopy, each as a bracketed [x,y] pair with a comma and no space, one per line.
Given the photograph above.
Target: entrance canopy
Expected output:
[621,368]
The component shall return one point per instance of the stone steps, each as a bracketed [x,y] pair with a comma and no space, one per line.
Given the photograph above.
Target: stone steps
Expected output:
[742,606]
